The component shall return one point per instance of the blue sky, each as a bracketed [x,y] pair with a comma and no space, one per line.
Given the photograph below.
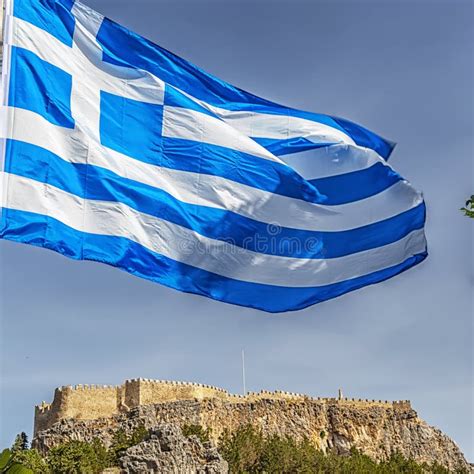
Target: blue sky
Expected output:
[403,69]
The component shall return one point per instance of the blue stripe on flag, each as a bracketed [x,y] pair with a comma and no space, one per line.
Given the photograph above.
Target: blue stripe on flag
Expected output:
[349,187]
[196,157]
[289,146]
[175,98]
[364,137]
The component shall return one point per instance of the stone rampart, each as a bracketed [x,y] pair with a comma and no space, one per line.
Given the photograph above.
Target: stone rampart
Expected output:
[81,402]
[90,402]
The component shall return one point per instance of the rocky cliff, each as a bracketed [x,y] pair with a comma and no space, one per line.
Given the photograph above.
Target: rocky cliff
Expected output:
[331,424]
[168,451]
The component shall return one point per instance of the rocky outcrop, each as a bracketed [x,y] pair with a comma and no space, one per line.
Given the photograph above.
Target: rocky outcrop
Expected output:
[339,425]
[167,451]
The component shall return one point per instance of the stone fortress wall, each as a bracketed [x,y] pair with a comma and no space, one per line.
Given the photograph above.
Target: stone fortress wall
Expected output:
[90,402]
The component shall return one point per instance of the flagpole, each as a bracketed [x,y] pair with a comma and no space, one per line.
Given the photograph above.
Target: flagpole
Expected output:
[243,373]
[2,23]
[2,96]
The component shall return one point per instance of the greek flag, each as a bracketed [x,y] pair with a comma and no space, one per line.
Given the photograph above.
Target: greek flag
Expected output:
[117,151]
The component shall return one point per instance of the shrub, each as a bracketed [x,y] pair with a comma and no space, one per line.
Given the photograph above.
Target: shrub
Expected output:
[242,449]
[122,441]
[204,434]
[139,434]
[469,208]
[9,464]
[32,459]
[281,455]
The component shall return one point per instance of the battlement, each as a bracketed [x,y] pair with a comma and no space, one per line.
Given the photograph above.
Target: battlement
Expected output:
[44,407]
[88,402]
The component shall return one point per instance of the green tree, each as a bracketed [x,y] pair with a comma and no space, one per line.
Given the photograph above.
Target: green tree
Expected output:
[20,443]
[78,457]
[9,464]
[469,208]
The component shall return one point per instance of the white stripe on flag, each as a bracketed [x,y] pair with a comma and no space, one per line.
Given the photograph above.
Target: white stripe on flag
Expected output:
[280,127]
[333,160]
[188,124]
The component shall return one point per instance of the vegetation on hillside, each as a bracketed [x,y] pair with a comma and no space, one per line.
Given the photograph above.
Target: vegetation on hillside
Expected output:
[73,457]
[246,450]
[204,434]
[121,442]
[9,464]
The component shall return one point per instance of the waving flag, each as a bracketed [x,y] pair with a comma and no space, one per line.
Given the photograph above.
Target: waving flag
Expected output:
[117,151]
